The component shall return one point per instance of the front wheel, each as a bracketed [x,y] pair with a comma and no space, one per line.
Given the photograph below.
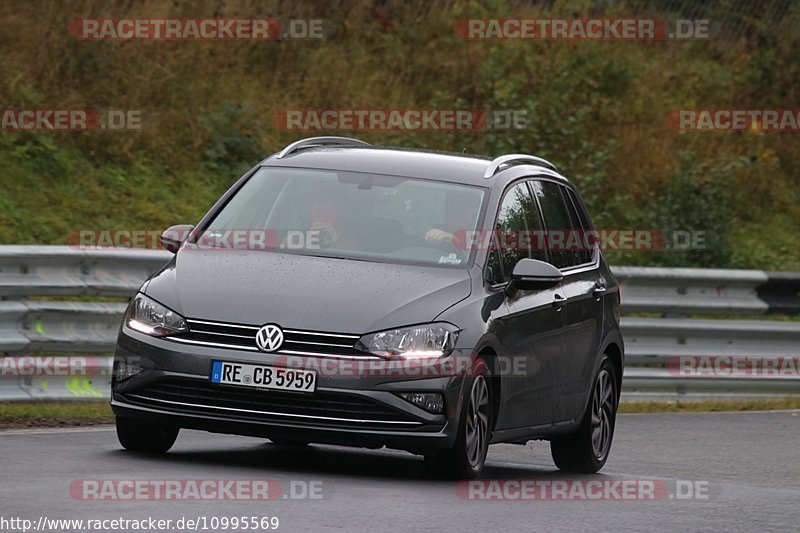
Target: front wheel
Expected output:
[467,458]
[142,436]
[586,450]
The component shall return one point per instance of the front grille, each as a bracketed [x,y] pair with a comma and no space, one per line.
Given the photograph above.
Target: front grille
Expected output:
[296,342]
[325,408]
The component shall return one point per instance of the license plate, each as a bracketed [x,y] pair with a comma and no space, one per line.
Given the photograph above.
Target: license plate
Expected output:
[263,377]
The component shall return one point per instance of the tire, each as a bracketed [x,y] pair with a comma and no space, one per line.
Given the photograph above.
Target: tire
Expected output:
[586,450]
[467,458]
[141,436]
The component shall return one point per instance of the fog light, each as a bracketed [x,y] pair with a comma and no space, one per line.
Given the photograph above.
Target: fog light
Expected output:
[433,402]
[126,368]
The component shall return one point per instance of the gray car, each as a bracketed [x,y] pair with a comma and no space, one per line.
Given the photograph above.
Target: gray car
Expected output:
[355,295]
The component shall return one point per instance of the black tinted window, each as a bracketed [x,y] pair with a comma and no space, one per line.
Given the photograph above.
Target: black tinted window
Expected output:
[517,231]
[561,238]
[579,220]
[494,270]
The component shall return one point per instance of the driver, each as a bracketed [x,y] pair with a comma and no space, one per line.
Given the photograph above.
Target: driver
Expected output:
[330,221]
[323,217]
[460,213]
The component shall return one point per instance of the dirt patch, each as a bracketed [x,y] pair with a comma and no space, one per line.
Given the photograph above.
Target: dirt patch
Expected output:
[23,423]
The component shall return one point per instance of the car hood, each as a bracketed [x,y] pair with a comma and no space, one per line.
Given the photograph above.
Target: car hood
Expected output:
[304,292]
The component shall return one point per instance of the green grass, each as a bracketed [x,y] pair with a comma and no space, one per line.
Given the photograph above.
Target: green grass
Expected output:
[599,112]
[24,414]
[705,406]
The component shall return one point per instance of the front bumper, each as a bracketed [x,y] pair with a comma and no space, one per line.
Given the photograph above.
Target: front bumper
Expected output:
[348,409]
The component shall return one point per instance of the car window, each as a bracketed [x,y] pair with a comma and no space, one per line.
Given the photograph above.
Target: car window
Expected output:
[350,215]
[579,221]
[517,233]
[562,236]
[429,205]
[493,274]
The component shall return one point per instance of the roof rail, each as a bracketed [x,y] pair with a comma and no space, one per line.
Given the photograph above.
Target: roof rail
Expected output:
[516,159]
[318,141]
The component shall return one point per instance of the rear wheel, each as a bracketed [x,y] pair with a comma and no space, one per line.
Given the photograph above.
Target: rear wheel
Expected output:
[466,459]
[586,450]
[142,436]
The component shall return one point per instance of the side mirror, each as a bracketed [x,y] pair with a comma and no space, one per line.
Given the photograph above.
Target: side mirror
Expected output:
[534,275]
[173,237]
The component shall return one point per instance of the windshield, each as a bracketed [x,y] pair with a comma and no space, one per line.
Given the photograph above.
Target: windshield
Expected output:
[349,215]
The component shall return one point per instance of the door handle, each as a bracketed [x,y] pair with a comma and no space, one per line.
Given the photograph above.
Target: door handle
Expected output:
[598,291]
[558,302]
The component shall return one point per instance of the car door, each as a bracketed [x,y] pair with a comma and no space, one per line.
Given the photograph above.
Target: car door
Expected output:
[534,342]
[583,310]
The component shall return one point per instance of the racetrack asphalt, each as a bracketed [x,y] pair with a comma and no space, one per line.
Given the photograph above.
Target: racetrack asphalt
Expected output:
[741,469]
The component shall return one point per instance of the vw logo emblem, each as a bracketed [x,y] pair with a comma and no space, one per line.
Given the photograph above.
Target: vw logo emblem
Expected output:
[269,338]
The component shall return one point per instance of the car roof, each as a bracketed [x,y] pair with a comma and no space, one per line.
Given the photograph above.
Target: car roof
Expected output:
[414,163]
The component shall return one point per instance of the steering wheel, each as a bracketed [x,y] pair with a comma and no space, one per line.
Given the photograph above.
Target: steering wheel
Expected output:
[446,244]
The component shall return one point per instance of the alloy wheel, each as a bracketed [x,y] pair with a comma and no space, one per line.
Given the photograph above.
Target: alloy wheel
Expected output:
[477,421]
[602,414]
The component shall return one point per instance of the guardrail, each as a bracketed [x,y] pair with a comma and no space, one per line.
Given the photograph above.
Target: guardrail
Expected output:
[709,291]
[30,323]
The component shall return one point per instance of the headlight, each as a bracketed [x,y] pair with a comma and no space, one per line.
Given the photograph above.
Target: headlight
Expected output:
[152,318]
[425,341]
